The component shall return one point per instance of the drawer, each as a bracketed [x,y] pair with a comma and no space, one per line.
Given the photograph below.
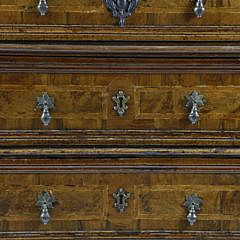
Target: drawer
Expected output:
[85,203]
[91,20]
[148,13]
[84,101]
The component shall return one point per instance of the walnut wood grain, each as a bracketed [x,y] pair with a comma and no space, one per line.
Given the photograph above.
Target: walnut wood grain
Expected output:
[119,138]
[90,20]
[84,101]
[149,13]
[120,58]
[129,151]
[92,33]
[153,197]
[81,57]
[119,235]
[120,49]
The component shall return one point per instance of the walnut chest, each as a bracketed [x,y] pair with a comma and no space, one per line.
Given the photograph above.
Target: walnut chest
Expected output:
[119,119]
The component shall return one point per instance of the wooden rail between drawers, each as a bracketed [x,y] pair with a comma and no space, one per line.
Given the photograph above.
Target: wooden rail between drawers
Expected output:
[94,151]
[119,235]
[120,58]
[114,33]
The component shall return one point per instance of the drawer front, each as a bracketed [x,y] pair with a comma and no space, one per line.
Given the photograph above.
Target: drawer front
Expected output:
[85,202]
[148,13]
[85,101]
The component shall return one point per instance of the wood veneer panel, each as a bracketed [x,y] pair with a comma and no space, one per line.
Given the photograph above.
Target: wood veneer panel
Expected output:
[85,202]
[90,20]
[84,101]
[148,13]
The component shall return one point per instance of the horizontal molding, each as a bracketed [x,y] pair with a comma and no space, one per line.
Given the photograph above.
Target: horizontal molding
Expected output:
[122,151]
[119,58]
[110,67]
[118,49]
[119,152]
[114,33]
[119,235]
[49,168]
[119,138]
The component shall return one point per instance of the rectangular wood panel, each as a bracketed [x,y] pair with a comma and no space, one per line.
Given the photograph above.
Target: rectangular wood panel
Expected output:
[159,202]
[85,202]
[72,204]
[84,101]
[149,13]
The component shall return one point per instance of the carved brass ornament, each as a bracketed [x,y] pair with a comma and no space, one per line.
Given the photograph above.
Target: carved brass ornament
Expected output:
[45,201]
[121,9]
[121,102]
[45,103]
[192,203]
[121,197]
[42,7]
[199,9]
[194,101]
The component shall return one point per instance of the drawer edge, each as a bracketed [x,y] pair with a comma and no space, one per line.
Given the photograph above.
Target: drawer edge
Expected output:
[111,33]
[122,235]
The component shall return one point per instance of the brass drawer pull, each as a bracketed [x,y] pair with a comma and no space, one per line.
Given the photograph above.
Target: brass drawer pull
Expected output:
[199,8]
[121,197]
[192,203]
[45,201]
[42,7]
[121,102]
[121,9]
[194,101]
[45,103]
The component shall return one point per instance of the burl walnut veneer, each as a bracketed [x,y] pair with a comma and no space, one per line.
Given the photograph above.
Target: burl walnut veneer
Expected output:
[119,119]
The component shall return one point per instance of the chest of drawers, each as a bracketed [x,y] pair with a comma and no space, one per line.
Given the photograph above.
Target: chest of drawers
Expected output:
[119,132]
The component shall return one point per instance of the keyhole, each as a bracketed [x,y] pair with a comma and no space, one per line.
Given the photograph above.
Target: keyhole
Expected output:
[120,102]
[120,199]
